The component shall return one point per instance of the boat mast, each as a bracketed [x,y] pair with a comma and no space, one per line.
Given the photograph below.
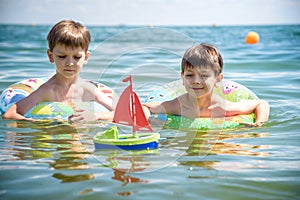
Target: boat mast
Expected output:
[133,108]
[133,112]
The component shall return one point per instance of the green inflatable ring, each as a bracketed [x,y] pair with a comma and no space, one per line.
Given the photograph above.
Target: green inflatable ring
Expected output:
[228,90]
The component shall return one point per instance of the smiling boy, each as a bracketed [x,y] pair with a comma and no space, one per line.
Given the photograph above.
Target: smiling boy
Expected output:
[201,71]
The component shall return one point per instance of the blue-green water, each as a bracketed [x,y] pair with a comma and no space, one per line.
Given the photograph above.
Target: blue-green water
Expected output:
[57,161]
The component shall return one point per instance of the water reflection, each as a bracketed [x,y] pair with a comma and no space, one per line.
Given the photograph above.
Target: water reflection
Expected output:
[127,161]
[73,178]
[65,147]
[125,179]
[126,165]
[208,143]
[204,152]
[57,144]
[206,146]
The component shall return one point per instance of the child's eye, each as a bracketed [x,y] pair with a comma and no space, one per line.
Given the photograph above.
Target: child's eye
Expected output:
[189,75]
[77,57]
[61,56]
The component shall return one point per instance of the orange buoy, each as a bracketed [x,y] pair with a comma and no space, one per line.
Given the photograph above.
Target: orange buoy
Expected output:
[252,38]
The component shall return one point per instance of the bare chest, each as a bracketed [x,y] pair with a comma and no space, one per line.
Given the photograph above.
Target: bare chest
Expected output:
[194,111]
[67,94]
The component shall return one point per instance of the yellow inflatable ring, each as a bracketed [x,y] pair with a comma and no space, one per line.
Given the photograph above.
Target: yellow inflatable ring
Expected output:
[44,110]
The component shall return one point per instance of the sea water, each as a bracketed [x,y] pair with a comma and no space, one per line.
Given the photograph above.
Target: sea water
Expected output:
[49,160]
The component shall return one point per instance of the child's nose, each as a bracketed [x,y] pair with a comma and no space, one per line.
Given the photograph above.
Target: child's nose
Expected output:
[197,80]
[70,62]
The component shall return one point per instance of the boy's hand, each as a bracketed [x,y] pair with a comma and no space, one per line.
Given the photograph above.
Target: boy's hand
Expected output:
[81,115]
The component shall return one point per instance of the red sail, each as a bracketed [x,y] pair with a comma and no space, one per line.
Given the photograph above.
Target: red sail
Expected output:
[141,122]
[129,110]
[122,113]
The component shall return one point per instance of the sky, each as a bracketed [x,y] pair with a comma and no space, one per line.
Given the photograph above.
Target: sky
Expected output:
[151,12]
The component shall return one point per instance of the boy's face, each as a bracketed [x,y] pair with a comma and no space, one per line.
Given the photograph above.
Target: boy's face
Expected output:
[199,82]
[68,60]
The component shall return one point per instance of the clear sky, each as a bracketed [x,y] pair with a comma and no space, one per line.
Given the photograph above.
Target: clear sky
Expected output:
[151,12]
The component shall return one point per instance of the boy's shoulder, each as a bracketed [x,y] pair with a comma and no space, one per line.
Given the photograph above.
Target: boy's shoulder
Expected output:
[173,106]
[88,83]
[182,98]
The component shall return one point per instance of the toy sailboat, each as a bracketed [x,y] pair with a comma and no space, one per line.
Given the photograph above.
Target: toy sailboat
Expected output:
[129,112]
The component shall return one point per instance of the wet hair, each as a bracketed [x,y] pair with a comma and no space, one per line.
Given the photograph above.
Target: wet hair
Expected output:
[69,33]
[201,56]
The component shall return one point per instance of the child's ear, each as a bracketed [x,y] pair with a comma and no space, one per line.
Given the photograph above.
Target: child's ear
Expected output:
[182,78]
[50,56]
[87,55]
[219,79]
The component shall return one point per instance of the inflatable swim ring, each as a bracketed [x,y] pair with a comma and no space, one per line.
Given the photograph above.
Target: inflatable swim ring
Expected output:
[229,90]
[44,110]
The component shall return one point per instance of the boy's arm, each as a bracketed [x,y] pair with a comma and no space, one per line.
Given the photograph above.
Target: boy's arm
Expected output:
[102,99]
[107,116]
[12,113]
[154,107]
[89,116]
[94,94]
[18,110]
[261,109]
[262,112]
[149,107]
[167,107]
